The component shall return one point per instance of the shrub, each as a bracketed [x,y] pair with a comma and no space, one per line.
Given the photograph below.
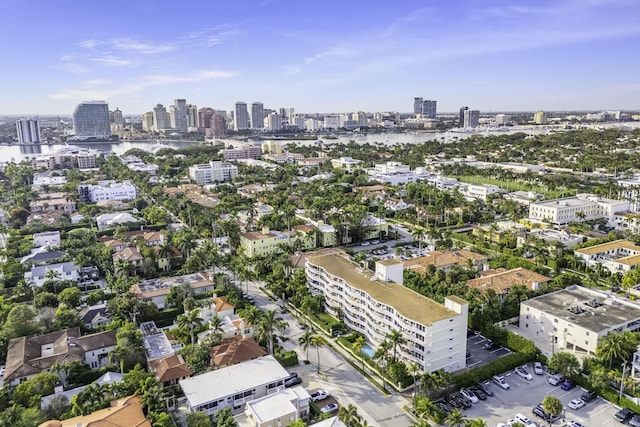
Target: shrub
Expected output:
[287,359]
[496,367]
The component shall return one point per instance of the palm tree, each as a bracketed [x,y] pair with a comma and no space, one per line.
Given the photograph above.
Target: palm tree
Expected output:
[317,342]
[305,341]
[215,326]
[349,415]
[456,418]
[251,315]
[395,337]
[478,422]
[616,346]
[267,327]
[419,235]
[414,371]
[382,355]
[190,320]
[427,410]
[357,346]
[552,406]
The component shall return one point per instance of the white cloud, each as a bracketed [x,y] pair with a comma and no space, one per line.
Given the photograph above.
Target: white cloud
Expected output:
[132,45]
[331,53]
[112,61]
[89,44]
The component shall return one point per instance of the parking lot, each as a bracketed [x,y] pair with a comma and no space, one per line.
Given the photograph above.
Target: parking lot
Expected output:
[524,394]
[478,355]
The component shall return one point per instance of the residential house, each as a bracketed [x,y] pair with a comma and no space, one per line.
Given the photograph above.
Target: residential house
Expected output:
[111,220]
[62,271]
[235,350]
[156,290]
[501,280]
[130,254]
[28,356]
[95,315]
[107,378]
[280,409]
[169,370]
[48,238]
[445,260]
[618,256]
[125,412]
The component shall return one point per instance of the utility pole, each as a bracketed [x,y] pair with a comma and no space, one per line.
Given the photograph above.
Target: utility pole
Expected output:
[624,369]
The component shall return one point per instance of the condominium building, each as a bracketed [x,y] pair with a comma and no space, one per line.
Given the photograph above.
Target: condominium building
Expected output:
[107,190]
[242,152]
[161,119]
[347,164]
[218,126]
[471,118]
[582,207]
[274,122]
[215,171]
[540,118]
[204,118]
[257,116]
[147,121]
[91,120]
[192,117]
[264,242]
[375,303]
[241,117]
[618,256]
[180,114]
[28,131]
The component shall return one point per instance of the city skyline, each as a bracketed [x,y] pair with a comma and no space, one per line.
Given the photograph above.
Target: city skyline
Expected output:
[492,56]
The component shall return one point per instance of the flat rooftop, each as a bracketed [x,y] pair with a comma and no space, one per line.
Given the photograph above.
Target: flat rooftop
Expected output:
[233,379]
[277,405]
[407,302]
[607,312]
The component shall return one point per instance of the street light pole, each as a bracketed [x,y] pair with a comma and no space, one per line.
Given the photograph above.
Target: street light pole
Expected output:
[624,369]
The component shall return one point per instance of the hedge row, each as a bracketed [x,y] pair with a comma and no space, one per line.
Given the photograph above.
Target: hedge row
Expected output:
[288,359]
[496,367]
[510,340]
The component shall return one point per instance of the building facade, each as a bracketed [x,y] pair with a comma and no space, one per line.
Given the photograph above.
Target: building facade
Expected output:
[241,116]
[28,131]
[215,171]
[107,190]
[91,120]
[257,116]
[583,207]
[375,303]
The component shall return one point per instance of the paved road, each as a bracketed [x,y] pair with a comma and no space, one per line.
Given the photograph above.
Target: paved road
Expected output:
[337,376]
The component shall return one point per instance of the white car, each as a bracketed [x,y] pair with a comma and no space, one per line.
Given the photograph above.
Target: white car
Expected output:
[522,371]
[469,395]
[537,368]
[498,380]
[526,421]
[319,395]
[572,423]
[330,408]
[576,404]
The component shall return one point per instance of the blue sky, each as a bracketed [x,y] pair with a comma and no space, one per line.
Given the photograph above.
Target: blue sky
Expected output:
[329,56]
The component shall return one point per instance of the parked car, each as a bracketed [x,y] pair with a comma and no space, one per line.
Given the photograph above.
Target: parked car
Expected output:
[319,395]
[522,372]
[568,385]
[466,403]
[453,402]
[635,421]
[293,379]
[330,408]
[469,395]
[623,415]
[443,406]
[588,396]
[556,379]
[573,423]
[490,345]
[486,387]
[540,412]
[524,420]
[537,368]
[500,382]
[480,394]
[577,404]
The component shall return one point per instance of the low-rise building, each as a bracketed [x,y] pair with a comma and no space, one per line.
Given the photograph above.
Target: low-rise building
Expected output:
[107,190]
[576,318]
[48,238]
[445,260]
[107,379]
[617,256]
[235,350]
[125,412]
[61,204]
[347,164]
[501,280]
[524,198]
[374,303]
[169,370]
[28,356]
[156,290]
[264,242]
[235,385]
[112,220]
[214,171]
[60,271]
[144,168]
[583,207]
[280,409]
[478,191]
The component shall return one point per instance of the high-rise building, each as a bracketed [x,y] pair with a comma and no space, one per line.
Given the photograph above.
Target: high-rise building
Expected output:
[428,108]
[502,119]
[28,131]
[192,117]
[540,118]
[147,121]
[462,111]
[471,118]
[117,119]
[257,115]
[417,105]
[360,119]
[275,122]
[91,120]
[180,111]
[218,125]
[161,120]
[241,116]
[204,118]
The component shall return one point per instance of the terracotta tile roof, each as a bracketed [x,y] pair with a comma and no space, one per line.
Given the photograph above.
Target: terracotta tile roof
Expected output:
[444,259]
[232,351]
[304,228]
[170,368]
[125,412]
[222,304]
[130,253]
[257,235]
[609,246]
[501,281]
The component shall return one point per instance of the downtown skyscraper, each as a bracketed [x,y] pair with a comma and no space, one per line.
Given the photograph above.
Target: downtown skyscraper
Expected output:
[241,116]
[91,120]
[28,131]
[257,116]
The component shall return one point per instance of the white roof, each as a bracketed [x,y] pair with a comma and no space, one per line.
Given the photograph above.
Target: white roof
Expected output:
[277,405]
[233,379]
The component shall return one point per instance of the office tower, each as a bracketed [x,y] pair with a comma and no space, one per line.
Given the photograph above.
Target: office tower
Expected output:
[218,125]
[147,121]
[275,122]
[286,114]
[118,120]
[360,119]
[161,120]
[257,116]
[91,120]
[28,131]
[462,111]
[204,118]
[417,105]
[540,118]
[428,108]
[299,121]
[192,117]
[471,118]
[241,116]
[180,112]
[502,119]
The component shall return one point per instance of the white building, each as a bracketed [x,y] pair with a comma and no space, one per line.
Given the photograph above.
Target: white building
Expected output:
[478,191]
[630,191]
[215,171]
[156,290]
[49,238]
[143,167]
[570,209]
[235,385]
[576,318]
[617,256]
[374,303]
[524,198]
[45,178]
[62,271]
[347,164]
[107,190]
[280,409]
[110,220]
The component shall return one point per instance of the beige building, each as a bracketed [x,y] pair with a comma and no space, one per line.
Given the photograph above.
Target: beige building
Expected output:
[617,256]
[264,242]
[374,303]
[280,409]
[502,280]
[156,290]
[445,260]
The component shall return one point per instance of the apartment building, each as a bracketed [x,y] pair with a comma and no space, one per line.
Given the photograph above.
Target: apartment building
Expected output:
[266,241]
[347,164]
[374,303]
[214,171]
[583,207]
[107,190]
[617,256]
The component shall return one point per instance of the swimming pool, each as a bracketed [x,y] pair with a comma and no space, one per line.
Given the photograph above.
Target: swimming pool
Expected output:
[368,351]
